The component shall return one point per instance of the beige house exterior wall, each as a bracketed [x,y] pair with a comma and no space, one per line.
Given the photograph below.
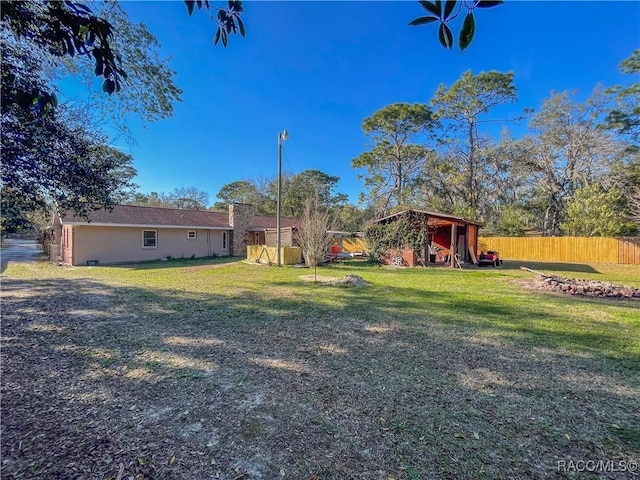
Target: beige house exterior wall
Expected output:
[124,244]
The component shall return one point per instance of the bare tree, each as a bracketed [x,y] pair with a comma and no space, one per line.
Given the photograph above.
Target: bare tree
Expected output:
[464,158]
[183,198]
[635,206]
[566,152]
[313,236]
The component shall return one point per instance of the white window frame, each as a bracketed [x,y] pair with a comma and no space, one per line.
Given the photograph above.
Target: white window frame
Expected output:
[192,234]
[155,237]
[225,241]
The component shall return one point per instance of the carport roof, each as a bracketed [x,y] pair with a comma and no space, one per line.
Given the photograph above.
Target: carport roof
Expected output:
[447,218]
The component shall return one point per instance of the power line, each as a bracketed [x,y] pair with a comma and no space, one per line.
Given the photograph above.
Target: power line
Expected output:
[286,159]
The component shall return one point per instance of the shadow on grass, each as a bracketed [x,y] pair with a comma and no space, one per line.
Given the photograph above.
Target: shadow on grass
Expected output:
[526,323]
[177,263]
[339,381]
[419,310]
[553,266]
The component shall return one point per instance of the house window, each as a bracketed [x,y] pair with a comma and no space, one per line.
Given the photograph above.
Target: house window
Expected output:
[149,239]
[224,240]
[192,234]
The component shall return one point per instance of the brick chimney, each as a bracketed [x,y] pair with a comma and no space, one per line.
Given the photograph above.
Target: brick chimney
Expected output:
[241,219]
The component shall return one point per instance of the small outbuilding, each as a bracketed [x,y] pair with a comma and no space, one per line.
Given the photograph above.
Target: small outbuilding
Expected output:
[424,237]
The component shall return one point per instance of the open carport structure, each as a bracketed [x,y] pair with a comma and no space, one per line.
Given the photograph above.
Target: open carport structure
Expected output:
[444,234]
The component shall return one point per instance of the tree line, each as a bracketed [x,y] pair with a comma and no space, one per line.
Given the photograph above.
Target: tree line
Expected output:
[297,190]
[59,154]
[575,172]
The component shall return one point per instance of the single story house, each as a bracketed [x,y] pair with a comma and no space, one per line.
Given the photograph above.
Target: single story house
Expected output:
[129,233]
[444,234]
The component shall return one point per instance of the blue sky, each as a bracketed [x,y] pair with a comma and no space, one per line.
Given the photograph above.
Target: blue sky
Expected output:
[319,68]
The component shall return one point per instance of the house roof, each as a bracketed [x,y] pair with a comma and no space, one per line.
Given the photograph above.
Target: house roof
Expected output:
[437,215]
[128,215]
[135,215]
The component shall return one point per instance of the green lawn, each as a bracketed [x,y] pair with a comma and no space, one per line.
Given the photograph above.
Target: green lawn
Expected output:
[192,369]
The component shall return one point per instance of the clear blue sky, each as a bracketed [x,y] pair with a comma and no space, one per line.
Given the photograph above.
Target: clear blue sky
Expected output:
[319,68]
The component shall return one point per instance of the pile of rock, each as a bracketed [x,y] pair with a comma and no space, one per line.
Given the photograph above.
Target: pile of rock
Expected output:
[589,288]
[355,280]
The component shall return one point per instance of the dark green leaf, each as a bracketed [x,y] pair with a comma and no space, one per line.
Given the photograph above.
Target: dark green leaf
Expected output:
[83,33]
[439,7]
[70,50]
[241,26]
[467,31]
[80,45]
[448,8]
[190,6]
[422,21]
[430,7]
[102,30]
[217,37]
[99,67]
[445,36]
[489,3]
[108,86]
[224,37]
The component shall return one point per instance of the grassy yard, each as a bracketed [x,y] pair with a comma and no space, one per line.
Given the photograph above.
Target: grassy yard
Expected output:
[218,369]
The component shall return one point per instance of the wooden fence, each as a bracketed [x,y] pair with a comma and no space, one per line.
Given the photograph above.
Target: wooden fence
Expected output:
[622,250]
[264,254]
[353,245]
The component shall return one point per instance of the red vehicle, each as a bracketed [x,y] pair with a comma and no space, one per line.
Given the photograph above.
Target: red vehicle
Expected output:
[334,252]
[490,258]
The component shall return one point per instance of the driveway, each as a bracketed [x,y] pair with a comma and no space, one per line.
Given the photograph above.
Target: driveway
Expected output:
[14,250]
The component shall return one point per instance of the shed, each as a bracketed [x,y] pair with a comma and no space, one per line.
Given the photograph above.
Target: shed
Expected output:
[444,234]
